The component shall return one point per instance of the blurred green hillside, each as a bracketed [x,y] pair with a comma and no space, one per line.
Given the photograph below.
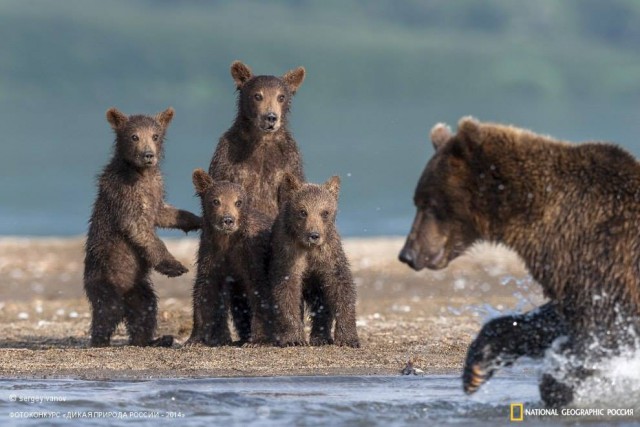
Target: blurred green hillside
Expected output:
[380,74]
[556,52]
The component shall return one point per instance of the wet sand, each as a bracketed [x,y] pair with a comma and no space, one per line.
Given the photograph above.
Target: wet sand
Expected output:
[430,317]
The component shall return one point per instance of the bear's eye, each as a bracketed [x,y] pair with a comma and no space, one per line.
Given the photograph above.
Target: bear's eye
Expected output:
[238,203]
[216,202]
[155,137]
[280,98]
[303,213]
[135,138]
[258,97]
[324,214]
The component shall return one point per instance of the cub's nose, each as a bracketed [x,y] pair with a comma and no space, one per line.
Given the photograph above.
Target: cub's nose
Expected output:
[314,236]
[271,118]
[408,256]
[148,156]
[228,220]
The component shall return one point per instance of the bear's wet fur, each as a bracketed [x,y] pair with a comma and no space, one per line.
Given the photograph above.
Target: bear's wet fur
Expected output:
[122,245]
[258,150]
[308,266]
[232,267]
[571,211]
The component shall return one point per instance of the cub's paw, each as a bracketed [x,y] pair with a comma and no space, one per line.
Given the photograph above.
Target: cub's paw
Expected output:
[318,341]
[218,341]
[353,342]
[293,340]
[163,341]
[171,268]
[256,344]
[193,225]
[259,341]
[194,342]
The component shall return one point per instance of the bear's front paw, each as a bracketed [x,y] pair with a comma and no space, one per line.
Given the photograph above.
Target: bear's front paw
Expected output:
[482,362]
[171,268]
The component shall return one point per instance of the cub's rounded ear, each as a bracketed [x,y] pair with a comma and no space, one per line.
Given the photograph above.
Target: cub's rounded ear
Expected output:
[440,134]
[165,117]
[201,181]
[288,187]
[240,73]
[469,128]
[294,78]
[116,118]
[333,185]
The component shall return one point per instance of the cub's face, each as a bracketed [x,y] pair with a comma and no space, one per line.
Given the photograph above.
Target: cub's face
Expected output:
[265,100]
[139,138]
[311,212]
[222,202]
[443,227]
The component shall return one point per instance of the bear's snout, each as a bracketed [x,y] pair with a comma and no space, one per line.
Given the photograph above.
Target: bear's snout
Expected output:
[313,238]
[227,224]
[270,122]
[408,256]
[149,157]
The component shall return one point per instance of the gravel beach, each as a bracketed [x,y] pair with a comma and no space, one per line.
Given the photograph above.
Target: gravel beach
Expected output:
[429,317]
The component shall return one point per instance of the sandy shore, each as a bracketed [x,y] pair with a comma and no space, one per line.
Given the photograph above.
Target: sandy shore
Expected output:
[430,317]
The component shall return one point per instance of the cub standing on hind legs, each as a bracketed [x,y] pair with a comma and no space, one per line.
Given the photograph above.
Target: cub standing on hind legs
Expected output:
[232,260]
[122,246]
[258,149]
[309,266]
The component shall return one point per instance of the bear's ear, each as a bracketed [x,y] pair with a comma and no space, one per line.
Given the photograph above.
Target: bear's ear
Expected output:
[240,73]
[288,187]
[201,181]
[116,118]
[333,185]
[440,134]
[165,117]
[469,128]
[294,78]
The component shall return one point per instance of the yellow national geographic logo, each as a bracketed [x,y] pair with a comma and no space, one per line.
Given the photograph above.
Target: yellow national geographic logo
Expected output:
[517,412]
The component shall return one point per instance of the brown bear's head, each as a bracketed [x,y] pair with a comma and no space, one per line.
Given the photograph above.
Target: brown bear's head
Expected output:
[139,138]
[309,210]
[222,202]
[445,224]
[264,101]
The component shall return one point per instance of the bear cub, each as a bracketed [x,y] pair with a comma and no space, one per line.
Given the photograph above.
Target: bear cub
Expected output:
[258,149]
[122,245]
[232,266]
[308,265]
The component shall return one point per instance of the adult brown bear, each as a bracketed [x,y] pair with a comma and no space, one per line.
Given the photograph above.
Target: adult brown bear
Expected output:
[572,212]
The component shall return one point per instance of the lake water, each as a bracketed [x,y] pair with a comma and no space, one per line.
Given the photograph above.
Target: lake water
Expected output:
[279,401]
[48,171]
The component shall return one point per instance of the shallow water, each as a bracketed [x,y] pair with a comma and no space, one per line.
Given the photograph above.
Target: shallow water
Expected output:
[274,401]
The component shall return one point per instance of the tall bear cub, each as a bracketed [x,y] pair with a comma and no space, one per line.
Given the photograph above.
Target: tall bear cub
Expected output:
[572,212]
[122,246]
[258,150]
[309,266]
[232,266]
